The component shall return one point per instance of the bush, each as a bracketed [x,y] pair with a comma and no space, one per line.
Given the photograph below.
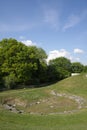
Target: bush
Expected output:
[10,81]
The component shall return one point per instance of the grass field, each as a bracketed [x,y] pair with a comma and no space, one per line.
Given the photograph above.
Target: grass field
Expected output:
[61,106]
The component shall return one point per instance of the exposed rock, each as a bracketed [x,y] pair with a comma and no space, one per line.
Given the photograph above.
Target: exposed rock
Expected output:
[80,101]
[38,102]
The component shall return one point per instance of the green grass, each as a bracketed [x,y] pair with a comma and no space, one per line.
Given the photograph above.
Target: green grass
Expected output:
[76,85]
[11,121]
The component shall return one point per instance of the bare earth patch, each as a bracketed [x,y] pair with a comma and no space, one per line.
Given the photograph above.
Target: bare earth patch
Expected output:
[58,103]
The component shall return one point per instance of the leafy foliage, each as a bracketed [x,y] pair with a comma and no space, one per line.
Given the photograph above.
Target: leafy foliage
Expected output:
[77,67]
[10,81]
[26,65]
[21,64]
[61,67]
[85,68]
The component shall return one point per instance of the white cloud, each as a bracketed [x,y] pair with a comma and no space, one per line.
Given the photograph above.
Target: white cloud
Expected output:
[78,51]
[74,19]
[58,53]
[77,59]
[64,53]
[28,42]
[51,16]
[22,37]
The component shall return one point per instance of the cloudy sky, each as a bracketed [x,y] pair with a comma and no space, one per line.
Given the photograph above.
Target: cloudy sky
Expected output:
[58,26]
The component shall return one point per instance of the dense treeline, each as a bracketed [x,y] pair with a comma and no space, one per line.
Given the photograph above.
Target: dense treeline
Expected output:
[26,65]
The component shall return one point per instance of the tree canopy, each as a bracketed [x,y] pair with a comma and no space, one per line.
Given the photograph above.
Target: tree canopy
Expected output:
[26,65]
[77,67]
[20,63]
[62,67]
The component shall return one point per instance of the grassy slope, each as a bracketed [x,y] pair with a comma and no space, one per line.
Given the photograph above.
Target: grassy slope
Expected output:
[77,121]
[75,85]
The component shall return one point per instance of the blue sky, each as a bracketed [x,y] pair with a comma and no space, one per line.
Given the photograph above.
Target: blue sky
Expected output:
[58,26]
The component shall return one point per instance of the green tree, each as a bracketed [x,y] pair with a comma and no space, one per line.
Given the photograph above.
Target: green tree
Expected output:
[1,80]
[61,67]
[10,81]
[26,63]
[77,67]
[85,68]
[39,74]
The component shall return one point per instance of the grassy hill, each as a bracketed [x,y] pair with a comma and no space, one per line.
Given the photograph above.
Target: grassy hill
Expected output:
[61,106]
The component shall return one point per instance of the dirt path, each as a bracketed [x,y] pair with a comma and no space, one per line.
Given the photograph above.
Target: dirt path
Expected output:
[79,100]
